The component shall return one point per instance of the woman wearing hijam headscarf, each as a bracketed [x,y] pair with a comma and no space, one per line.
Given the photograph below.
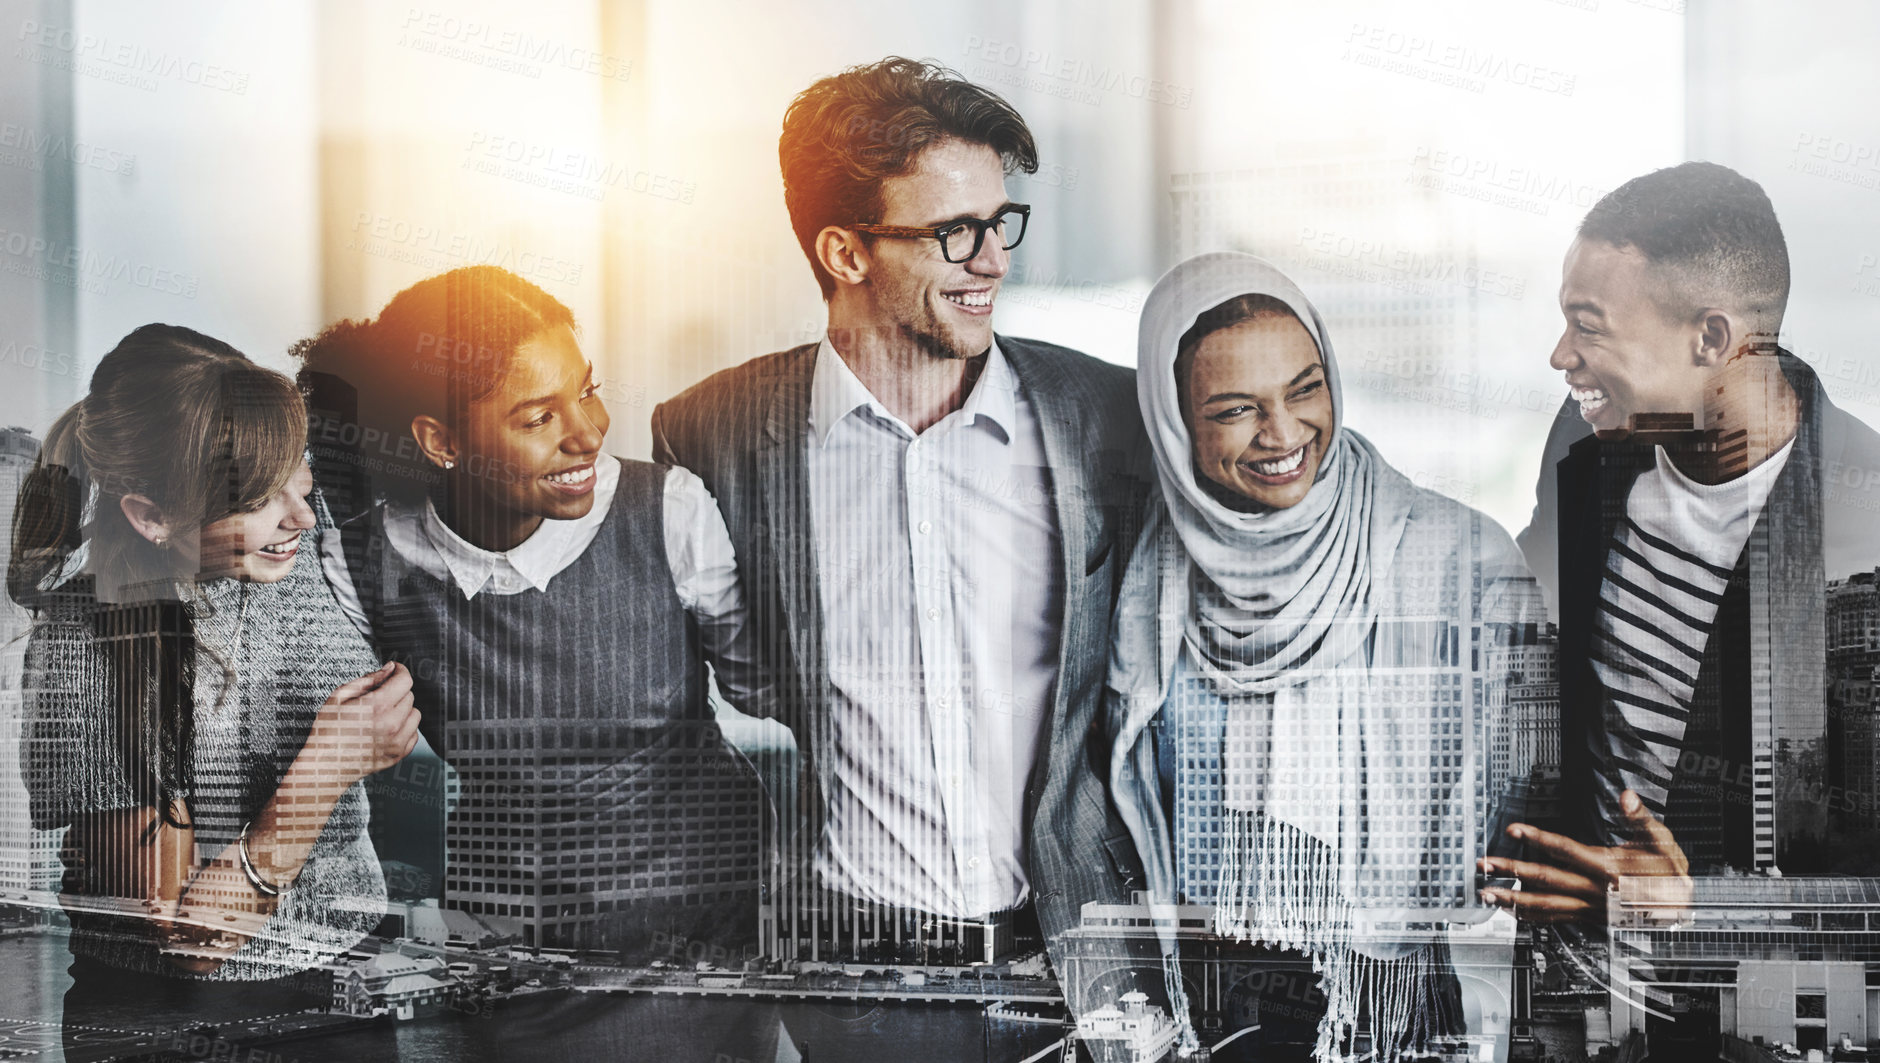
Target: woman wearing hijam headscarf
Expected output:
[1301,697]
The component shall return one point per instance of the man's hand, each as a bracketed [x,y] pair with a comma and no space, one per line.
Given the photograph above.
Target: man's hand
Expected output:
[1571,883]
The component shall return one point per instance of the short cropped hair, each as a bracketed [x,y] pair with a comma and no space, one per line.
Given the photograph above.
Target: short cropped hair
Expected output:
[846,133]
[1710,232]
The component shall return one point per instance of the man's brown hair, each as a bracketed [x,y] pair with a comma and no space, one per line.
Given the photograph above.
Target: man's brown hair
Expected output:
[846,133]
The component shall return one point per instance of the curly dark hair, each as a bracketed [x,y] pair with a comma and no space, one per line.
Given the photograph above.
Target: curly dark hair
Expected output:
[844,134]
[438,346]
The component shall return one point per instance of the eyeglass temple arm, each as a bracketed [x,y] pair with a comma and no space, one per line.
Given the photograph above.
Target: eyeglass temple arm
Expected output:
[896,230]
[1023,210]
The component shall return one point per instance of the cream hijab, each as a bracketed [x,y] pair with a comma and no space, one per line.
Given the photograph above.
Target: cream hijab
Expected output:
[1329,801]
[1281,589]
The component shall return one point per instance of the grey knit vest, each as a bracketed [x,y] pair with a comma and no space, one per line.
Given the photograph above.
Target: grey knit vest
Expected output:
[597,805]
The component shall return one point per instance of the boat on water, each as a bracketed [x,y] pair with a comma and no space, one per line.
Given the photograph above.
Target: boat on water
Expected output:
[1134,1030]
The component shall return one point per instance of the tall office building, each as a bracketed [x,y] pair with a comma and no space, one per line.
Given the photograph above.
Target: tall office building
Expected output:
[1853,680]
[1225,753]
[29,859]
[1532,688]
[543,841]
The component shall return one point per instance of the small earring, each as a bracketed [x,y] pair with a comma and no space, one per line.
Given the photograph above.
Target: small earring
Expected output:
[449,464]
[161,540]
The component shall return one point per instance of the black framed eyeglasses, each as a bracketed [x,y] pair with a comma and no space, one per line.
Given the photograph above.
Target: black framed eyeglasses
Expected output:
[1009,223]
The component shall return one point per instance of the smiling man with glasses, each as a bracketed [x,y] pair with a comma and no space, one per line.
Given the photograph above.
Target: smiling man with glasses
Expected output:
[931,521]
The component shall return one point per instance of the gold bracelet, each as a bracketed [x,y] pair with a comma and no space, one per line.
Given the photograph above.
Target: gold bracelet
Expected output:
[261,885]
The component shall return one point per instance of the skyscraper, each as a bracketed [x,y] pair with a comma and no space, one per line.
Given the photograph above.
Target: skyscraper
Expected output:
[1853,668]
[29,859]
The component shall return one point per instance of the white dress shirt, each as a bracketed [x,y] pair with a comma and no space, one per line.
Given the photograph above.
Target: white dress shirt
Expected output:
[937,563]
[698,551]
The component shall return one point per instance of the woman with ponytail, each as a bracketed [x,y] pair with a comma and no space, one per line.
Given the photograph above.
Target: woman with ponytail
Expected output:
[199,712]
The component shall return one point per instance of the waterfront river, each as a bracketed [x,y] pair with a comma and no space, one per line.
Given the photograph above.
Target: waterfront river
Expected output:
[564,1028]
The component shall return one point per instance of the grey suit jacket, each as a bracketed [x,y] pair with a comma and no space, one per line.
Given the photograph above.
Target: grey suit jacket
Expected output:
[745,432]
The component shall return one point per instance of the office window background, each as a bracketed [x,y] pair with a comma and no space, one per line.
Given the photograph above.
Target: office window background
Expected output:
[256,171]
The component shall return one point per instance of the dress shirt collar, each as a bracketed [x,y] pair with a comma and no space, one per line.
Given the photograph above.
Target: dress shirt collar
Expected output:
[538,559]
[836,392]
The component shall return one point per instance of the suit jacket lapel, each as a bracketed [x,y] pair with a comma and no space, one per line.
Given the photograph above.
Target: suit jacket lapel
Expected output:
[1059,419]
[783,473]
[1593,481]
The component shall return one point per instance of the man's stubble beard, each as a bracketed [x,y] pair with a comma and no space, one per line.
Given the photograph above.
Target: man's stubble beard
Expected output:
[934,344]
[924,333]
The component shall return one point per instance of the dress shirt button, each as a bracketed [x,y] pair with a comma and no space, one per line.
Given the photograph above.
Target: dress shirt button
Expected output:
[973,864]
[933,614]
[926,526]
[942,699]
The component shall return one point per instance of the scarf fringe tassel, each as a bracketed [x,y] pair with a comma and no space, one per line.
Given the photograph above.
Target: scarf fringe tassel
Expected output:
[1280,888]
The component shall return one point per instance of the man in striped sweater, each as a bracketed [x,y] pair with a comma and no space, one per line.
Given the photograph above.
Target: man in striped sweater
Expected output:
[1687,522]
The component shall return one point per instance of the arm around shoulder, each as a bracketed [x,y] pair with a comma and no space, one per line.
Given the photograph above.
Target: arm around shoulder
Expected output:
[705,575]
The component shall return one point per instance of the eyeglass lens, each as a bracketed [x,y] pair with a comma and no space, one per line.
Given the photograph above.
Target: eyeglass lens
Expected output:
[1009,225]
